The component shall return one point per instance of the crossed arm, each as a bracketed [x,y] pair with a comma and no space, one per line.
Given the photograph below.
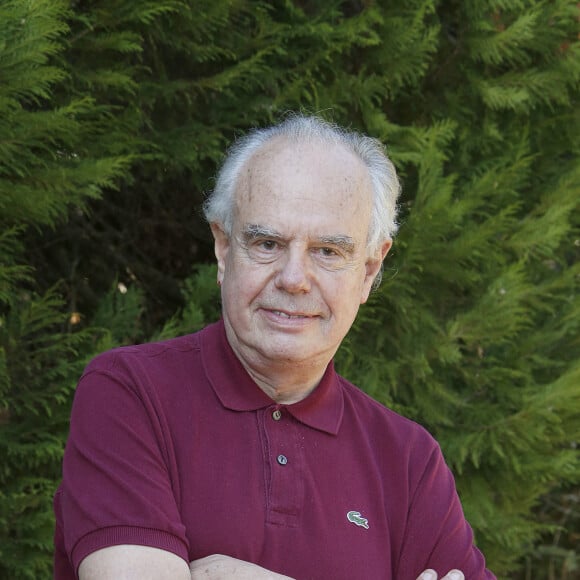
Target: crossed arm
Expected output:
[145,563]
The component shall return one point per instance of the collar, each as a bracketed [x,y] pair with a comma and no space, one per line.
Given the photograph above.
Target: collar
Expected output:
[236,390]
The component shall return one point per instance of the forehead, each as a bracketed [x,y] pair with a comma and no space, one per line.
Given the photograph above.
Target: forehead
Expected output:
[305,186]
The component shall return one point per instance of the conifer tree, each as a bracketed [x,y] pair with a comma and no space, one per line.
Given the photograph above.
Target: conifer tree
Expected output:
[48,163]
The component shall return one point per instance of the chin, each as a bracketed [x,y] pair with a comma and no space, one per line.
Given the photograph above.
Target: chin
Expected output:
[292,355]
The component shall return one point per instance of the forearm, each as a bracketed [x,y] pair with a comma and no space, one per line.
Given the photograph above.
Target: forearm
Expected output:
[219,567]
[132,562]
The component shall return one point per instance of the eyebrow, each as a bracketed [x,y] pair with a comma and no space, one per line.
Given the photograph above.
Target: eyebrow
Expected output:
[346,243]
[255,231]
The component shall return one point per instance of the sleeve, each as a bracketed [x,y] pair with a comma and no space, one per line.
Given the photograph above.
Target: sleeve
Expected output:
[120,483]
[437,534]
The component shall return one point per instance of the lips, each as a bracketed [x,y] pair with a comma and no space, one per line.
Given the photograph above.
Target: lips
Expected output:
[288,315]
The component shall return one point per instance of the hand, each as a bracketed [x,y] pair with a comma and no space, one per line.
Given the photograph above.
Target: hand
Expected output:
[219,567]
[432,575]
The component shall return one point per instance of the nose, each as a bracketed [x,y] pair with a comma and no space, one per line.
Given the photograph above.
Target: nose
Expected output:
[294,272]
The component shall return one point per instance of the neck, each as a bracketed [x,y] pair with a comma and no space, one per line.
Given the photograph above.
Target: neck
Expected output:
[285,386]
[284,380]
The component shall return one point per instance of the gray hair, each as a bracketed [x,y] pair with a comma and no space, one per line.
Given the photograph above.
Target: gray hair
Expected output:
[219,206]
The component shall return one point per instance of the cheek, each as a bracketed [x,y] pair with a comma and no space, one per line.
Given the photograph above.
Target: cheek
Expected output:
[346,292]
[244,281]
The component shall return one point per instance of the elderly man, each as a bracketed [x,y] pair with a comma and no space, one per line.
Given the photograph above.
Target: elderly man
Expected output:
[238,452]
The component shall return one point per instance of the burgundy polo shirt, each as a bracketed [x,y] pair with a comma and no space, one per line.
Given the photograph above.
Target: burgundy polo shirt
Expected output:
[172,445]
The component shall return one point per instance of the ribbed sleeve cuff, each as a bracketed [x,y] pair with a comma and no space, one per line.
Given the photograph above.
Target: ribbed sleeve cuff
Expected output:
[118,535]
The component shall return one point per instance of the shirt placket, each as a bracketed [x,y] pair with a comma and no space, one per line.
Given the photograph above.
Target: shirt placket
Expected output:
[285,464]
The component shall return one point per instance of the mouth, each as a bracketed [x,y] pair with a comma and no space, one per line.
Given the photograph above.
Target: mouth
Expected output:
[289,315]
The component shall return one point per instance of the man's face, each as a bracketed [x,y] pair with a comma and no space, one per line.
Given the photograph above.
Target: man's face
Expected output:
[295,268]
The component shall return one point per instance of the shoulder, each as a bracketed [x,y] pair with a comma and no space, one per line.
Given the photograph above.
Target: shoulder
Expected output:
[383,425]
[150,351]
[142,386]
[156,371]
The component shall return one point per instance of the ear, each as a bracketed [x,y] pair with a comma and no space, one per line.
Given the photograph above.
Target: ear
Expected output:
[372,268]
[221,248]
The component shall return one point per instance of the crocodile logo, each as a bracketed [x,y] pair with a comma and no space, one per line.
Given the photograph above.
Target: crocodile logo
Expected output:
[357,519]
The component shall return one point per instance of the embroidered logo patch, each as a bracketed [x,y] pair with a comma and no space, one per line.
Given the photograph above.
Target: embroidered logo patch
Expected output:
[357,519]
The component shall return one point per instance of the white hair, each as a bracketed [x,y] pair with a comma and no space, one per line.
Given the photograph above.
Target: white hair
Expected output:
[219,206]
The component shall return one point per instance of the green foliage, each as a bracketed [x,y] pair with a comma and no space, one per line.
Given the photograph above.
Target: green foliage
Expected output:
[45,155]
[202,304]
[10,271]
[49,162]
[113,116]
[40,361]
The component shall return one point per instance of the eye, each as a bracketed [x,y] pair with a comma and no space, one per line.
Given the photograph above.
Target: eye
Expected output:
[267,245]
[330,257]
[327,252]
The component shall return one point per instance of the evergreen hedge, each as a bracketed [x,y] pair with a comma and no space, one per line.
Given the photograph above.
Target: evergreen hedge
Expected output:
[113,117]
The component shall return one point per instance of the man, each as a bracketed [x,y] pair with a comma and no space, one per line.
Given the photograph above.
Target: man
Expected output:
[238,450]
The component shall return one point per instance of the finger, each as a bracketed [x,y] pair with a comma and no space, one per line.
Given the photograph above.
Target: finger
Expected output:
[453,575]
[428,575]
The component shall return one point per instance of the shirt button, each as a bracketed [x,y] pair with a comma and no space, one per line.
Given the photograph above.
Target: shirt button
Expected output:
[277,415]
[282,459]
